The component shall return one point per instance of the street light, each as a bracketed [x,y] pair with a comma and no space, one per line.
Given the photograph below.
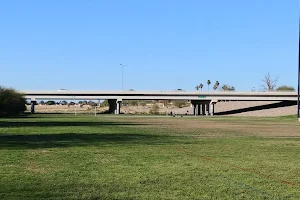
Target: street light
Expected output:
[122,76]
[298,102]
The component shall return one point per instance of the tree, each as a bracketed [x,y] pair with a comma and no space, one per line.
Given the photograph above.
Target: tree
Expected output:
[227,88]
[216,85]
[64,102]
[105,103]
[42,102]
[197,87]
[269,82]
[286,88]
[208,83]
[201,86]
[50,103]
[11,102]
[92,103]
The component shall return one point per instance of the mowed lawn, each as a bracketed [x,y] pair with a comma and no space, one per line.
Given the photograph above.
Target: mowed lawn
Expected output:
[127,157]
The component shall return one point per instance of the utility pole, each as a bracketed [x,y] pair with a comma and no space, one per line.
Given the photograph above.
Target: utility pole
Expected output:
[298,102]
[122,76]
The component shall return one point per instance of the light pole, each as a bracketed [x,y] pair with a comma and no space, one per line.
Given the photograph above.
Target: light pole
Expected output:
[298,102]
[122,76]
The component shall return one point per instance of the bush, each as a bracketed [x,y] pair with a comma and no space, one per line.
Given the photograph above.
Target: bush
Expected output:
[142,103]
[227,88]
[92,103]
[63,102]
[286,88]
[11,102]
[105,103]
[50,103]
[133,103]
[180,103]
[154,110]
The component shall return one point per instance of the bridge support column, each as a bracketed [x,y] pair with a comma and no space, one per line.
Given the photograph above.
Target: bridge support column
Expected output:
[203,108]
[118,108]
[114,106]
[199,109]
[32,108]
[212,109]
[195,108]
[207,109]
[212,106]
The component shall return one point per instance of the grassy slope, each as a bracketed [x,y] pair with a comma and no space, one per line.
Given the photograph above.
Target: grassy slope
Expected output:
[63,157]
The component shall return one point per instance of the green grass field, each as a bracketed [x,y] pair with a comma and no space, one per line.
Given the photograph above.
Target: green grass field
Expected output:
[127,157]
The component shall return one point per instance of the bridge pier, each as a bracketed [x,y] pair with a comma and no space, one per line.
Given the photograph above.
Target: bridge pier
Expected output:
[212,109]
[204,107]
[114,106]
[199,109]
[32,108]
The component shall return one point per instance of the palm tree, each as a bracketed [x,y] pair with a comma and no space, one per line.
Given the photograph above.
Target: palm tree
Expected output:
[201,86]
[216,85]
[197,87]
[208,83]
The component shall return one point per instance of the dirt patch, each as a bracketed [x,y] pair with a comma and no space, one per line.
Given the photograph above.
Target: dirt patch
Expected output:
[217,127]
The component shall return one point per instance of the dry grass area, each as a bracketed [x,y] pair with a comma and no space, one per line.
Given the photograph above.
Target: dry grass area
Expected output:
[220,126]
[65,109]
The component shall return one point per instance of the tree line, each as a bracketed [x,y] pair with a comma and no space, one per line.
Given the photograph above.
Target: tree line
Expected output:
[269,84]
[225,87]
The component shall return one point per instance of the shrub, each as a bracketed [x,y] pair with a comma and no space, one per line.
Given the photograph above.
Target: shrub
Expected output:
[286,88]
[154,110]
[227,88]
[105,103]
[142,103]
[50,103]
[11,102]
[64,103]
[92,103]
[180,103]
[133,103]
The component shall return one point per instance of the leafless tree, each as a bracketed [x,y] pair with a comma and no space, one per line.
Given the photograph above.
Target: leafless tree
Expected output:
[269,83]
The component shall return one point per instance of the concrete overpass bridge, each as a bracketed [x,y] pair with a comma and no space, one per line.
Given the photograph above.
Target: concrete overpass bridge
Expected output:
[203,102]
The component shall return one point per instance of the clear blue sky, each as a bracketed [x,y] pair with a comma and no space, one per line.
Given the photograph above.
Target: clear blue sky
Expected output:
[165,44]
